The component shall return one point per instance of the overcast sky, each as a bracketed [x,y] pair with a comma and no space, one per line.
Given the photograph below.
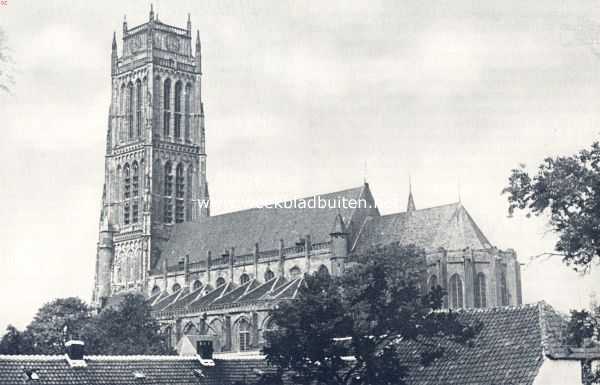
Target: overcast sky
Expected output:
[298,96]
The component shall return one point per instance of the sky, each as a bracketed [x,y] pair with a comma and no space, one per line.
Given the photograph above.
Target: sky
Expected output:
[299,96]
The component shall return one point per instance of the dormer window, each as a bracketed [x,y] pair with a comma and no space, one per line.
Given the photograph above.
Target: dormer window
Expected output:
[32,374]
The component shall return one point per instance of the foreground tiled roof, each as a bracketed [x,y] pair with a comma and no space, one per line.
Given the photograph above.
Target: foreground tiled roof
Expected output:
[448,226]
[102,370]
[266,226]
[509,350]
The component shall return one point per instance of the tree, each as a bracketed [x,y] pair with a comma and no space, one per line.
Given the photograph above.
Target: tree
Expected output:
[56,322]
[369,313]
[568,189]
[127,328]
[583,325]
[15,342]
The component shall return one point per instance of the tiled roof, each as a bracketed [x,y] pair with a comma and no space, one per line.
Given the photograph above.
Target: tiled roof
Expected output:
[448,226]
[266,226]
[102,370]
[509,350]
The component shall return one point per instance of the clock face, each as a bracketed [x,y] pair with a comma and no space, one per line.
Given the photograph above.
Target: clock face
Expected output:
[172,43]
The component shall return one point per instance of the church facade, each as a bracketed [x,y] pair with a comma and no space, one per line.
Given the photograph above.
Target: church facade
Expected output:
[216,277]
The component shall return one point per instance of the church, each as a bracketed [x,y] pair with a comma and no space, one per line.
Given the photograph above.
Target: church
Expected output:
[215,277]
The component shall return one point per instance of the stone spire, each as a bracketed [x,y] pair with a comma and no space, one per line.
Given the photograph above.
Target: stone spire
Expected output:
[113,55]
[410,207]
[124,24]
[151,16]
[189,24]
[198,53]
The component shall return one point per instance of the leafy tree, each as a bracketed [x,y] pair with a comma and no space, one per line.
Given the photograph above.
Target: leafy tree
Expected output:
[127,328]
[582,325]
[56,322]
[567,188]
[15,342]
[368,313]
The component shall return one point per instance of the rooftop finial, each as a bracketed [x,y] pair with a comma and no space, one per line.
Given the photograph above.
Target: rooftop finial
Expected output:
[410,207]
[189,23]
[458,188]
[151,11]
[114,42]
[365,171]
[124,23]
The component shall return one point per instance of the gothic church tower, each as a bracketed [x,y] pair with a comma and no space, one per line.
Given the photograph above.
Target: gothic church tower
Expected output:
[155,164]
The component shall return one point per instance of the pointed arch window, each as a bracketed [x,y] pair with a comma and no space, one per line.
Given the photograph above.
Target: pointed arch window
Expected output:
[433,282]
[244,335]
[168,193]
[155,290]
[323,270]
[186,106]
[503,290]
[130,111]
[480,291]
[197,285]
[135,192]
[269,275]
[456,292]
[178,120]
[179,194]
[295,272]
[138,108]
[220,281]
[167,108]
[176,287]
[122,111]
[244,278]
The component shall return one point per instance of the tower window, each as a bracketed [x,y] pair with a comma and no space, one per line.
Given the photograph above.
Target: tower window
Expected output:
[136,179]
[134,212]
[126,182]
[456,292]
[480,291]
[168,192]
[126,214]
[244,335]
[138,108]
[179,194]
[130,111]
[167,109]
[188,90]
[178,110]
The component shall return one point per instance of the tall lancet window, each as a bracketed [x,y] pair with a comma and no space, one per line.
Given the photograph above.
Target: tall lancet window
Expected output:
[138,108]
[456,292]
[480,291]
[167,109]
[179,194]
[123,112]
[178,110]
[126,194]
[130,111]
[188,90]
[135,192]
[168,194]
[244,335]
[503,290]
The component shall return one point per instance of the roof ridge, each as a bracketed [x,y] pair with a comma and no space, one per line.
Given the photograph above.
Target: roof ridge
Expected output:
[273,203]
[18,357]
[421,210]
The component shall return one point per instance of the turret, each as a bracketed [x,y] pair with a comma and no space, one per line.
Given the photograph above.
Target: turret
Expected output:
[189,25]
[410,206]
[104,261]
[339,245]
[198,53]
[113,55]
[124,24]
[151,16]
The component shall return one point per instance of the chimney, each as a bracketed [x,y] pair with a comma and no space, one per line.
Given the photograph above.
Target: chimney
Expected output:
[75,350]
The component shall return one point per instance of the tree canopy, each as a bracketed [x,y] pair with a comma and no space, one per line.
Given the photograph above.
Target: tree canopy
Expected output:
[125,328]
[567,189]
[348,330]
